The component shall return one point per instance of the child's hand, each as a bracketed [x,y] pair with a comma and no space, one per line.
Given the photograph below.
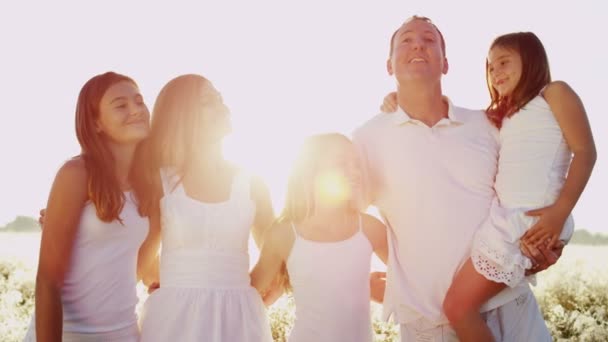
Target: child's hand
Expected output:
[377,285]
[390,103]
[547,230]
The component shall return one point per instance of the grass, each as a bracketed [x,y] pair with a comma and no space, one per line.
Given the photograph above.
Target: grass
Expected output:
[573,294]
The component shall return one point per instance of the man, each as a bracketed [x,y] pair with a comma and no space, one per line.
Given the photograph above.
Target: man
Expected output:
[430,169]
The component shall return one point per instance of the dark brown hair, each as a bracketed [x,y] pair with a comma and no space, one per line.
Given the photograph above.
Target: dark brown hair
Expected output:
[535,75]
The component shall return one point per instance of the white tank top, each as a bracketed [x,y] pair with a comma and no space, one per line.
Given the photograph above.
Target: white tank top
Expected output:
[330,283]
[98,294]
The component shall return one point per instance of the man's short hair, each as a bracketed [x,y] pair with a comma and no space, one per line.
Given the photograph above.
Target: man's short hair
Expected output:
[425,19]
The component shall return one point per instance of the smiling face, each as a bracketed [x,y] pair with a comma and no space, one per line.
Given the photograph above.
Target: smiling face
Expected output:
[504,67]
[417,52]
[123,115]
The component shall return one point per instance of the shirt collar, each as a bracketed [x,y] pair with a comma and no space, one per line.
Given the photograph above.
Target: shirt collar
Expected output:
[400,117]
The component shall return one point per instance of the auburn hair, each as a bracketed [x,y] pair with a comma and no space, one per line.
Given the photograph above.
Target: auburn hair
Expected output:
[103,187]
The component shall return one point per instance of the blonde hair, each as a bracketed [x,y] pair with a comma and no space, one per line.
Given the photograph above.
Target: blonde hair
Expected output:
[300,200]
[177,134]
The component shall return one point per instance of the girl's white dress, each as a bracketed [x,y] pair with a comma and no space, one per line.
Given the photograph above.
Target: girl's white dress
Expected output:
[330,283]
[205,292]
[533,161]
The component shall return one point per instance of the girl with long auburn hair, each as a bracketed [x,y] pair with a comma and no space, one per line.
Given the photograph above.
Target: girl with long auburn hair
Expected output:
[92,244]
[324,243]
[208,208]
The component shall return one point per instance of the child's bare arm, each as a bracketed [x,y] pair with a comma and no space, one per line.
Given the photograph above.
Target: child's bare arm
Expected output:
[275,248]
[572,119]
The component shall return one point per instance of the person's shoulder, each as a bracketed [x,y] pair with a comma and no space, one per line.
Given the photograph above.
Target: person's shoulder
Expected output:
[556,90]
[371,221]
[469,113]
[74,169]
[476,117]
[371,125]
[72,177]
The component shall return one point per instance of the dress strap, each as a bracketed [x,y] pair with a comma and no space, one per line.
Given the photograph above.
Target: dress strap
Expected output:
[170,180]
[293,227]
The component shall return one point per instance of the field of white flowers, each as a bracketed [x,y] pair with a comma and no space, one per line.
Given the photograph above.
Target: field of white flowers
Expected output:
[573,294]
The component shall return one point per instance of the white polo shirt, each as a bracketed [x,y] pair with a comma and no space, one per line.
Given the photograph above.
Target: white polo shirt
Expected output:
[433,186]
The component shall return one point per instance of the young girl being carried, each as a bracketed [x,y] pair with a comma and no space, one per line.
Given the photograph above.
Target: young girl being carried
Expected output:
[545,160]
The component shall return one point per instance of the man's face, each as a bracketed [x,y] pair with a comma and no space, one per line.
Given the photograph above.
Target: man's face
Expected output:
[417,53]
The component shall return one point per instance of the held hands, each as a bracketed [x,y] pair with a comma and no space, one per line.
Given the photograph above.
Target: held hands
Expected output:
[390,103]
[377,286]
[547,230]
[274,292]
[272,295]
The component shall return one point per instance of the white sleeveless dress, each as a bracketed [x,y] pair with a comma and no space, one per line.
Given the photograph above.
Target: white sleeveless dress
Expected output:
[533,161]
[99,295]
[330,282]
[205,292]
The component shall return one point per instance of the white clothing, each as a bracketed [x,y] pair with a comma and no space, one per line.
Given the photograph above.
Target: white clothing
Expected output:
[517,320]
[205,292]
[98,294]
[330,283]
[534,159]
[127,334]
[433,187]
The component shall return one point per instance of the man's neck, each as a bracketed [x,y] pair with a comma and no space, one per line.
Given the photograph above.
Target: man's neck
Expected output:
[423,103]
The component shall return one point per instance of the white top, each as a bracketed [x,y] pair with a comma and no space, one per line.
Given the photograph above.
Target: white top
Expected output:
[98,293]
[205,291]
[534,159]
[330,283]
[205,244]
[433,187]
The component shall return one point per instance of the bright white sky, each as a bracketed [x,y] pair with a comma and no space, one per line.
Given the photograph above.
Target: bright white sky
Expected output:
[287,69]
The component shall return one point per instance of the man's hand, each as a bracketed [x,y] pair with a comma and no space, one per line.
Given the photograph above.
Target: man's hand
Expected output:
[377,286]
[542,256]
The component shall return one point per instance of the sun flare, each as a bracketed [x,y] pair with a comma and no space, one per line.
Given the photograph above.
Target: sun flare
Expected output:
[333,187]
